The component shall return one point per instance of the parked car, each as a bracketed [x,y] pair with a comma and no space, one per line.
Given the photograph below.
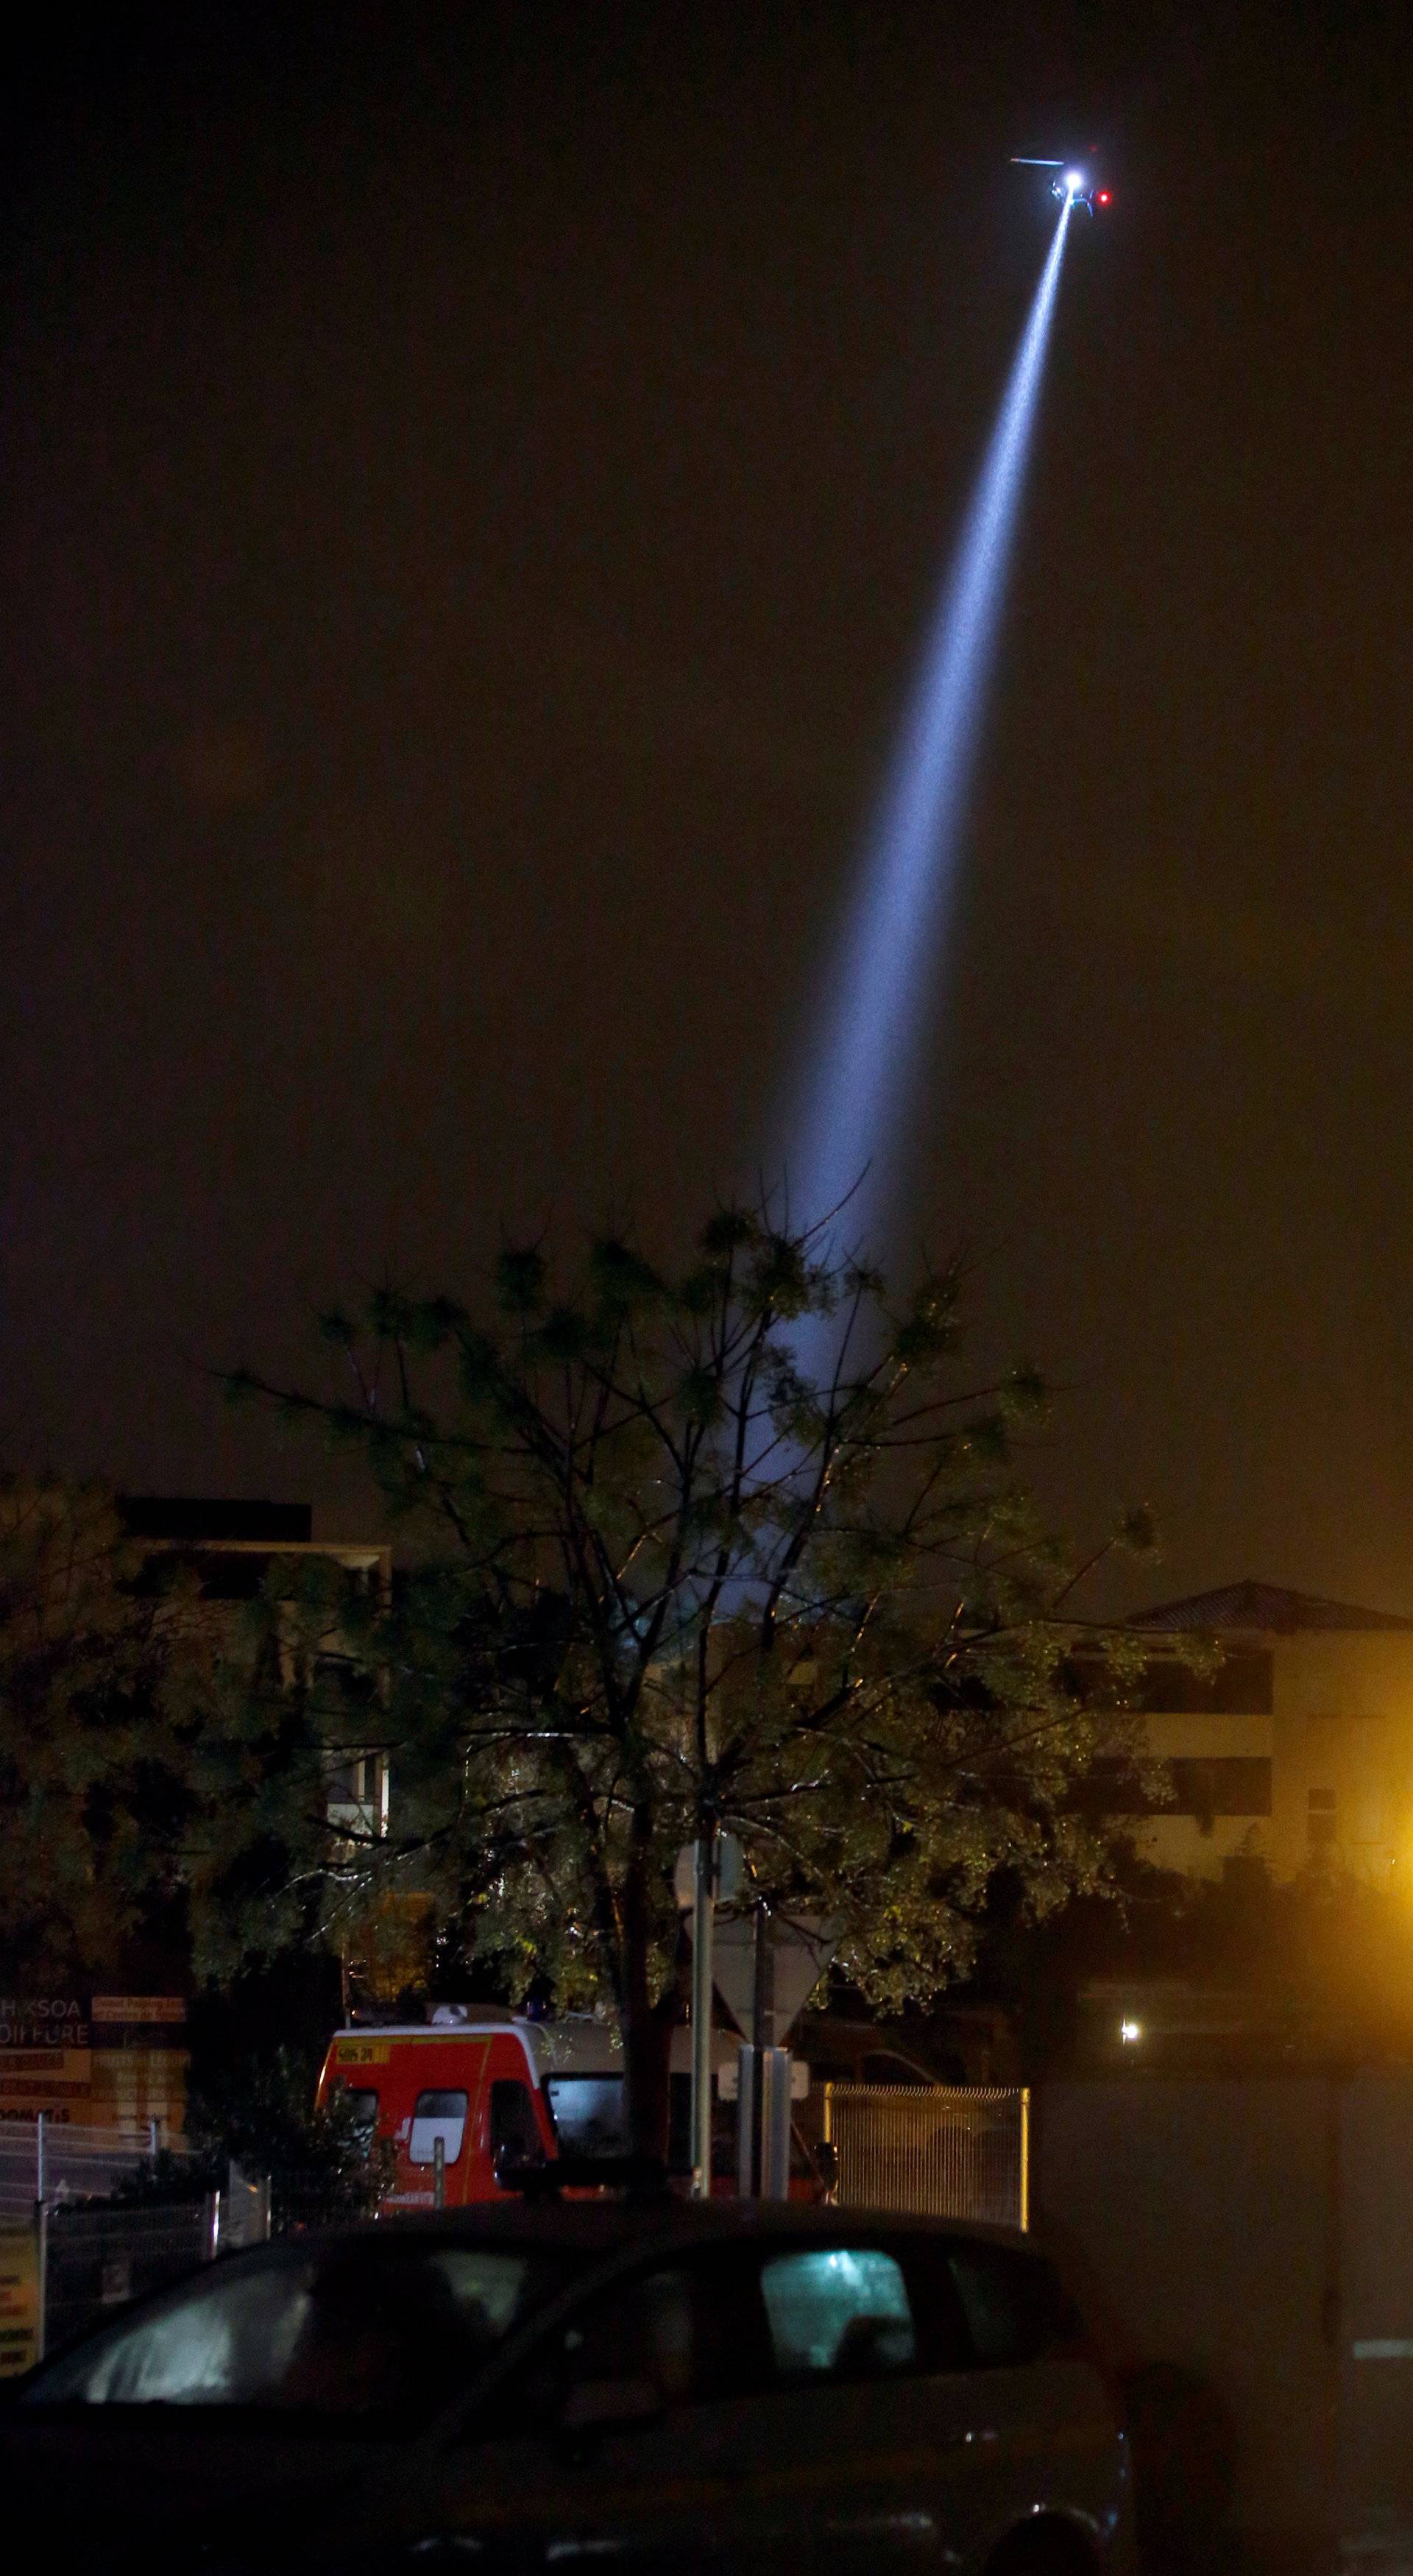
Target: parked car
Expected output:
[665,2386]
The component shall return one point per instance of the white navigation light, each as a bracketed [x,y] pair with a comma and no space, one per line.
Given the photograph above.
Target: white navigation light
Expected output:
[1074,181]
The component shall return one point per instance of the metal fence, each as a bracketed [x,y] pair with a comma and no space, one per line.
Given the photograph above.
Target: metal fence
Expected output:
[97,2259]
[945,2151]
[61,2160]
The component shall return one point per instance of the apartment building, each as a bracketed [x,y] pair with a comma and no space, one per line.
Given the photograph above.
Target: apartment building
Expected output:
[229,1547]
[1297,1747]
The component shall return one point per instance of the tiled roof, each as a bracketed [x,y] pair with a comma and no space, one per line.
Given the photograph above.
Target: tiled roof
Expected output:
[1263,1607]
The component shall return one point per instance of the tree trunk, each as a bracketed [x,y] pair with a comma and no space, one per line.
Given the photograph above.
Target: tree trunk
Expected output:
[647,2026]
[647,2048]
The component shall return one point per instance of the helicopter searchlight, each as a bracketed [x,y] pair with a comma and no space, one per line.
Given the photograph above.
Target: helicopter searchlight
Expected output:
[1073,186]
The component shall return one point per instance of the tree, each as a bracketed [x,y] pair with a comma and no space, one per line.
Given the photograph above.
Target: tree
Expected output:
[670,1575]
[91,1780]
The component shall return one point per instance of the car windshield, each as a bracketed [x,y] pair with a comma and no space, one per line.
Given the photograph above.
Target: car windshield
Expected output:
[370,2331]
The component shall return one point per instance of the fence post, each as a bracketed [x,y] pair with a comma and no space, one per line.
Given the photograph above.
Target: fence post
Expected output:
[439,2172]
[153,2137]
[39,2160]
[1025,2159]
[211,2230]
[41,2252]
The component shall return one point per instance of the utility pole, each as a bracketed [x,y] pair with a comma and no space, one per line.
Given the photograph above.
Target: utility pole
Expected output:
[762,2037]
[703,1927]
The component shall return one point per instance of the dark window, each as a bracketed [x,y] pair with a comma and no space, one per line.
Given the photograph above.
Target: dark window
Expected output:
[1322,1819]
[692,2331]
[1226,1784]
[437,2115]
[363,2104]
[515,2131]
[839,2312]
[1223,1784]
[944,2338]
[1014,2305]
[1243,1685]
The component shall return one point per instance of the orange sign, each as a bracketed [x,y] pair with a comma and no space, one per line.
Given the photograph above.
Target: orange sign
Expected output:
[45,2079]
[142,2008]
[19,2296]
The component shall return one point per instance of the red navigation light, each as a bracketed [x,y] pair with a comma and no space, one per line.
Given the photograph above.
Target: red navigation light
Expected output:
[1103,196]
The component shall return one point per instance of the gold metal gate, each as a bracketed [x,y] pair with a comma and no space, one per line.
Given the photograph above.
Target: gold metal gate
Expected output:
[945,2151]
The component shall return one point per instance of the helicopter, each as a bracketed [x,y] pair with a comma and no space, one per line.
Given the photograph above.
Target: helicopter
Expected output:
[1072,187]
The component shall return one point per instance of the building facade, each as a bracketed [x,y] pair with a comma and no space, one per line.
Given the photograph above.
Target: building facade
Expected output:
[1296,1748]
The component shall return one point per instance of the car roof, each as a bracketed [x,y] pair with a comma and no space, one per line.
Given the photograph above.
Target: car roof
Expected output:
[599,2229]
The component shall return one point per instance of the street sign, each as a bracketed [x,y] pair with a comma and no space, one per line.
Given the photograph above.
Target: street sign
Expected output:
[800,1952]
[730,1873]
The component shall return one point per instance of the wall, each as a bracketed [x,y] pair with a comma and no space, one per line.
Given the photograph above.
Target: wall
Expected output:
[1258,2233]
[1197,2213]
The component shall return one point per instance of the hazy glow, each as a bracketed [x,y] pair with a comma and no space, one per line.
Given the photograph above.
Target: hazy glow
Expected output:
[858,1094]
[1074,179]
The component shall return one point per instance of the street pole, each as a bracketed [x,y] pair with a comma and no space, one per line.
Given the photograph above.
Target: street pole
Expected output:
[703,1912]
[762,2037]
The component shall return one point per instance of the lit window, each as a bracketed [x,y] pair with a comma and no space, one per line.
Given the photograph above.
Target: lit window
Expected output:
[844,2312]
[437,2115]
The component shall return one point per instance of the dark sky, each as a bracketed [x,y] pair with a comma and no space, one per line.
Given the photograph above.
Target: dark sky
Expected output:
[471,484]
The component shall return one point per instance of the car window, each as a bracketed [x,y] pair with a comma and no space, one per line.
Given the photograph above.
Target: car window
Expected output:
[691,2330]
[437,2115]
[839,2312]
[514,2128]
[944,2339]
[590,2113]
[1015,2306]
[363,2331]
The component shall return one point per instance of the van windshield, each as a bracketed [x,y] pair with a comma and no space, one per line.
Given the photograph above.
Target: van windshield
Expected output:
[368,2331]
[590,2114]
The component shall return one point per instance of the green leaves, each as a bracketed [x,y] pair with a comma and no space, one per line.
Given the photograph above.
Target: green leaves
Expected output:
[655,1567]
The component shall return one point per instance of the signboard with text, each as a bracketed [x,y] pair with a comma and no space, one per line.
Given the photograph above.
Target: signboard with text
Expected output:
[111,2060]
[19,2296]
[46,2059]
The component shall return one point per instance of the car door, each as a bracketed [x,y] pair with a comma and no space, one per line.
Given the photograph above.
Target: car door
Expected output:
[725,2409]
[864,2456]
[621,2438]
[1052,2442]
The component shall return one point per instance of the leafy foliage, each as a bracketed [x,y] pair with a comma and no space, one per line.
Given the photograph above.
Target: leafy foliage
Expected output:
[92,1801]
[669,1574]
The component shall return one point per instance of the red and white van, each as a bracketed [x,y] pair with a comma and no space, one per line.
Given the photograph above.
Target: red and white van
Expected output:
[486,2082]
[471,2082]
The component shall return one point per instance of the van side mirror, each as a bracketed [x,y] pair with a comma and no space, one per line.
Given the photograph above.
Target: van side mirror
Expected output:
[611,2406]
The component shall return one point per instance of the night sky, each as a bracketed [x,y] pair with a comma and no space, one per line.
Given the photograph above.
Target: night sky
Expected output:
[471,485]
